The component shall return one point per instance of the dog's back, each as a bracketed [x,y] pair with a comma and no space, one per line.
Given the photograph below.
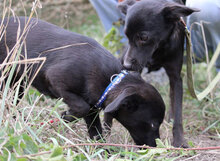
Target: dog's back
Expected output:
[64,50]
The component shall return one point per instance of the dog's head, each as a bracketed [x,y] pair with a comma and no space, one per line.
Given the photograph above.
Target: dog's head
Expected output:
[140,109]
[148,25]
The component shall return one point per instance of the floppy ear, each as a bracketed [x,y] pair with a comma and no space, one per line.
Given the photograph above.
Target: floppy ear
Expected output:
[124,5]
[120,99]
[174,11]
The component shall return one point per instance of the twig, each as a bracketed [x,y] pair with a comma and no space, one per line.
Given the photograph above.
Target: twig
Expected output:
[209,79]
[124,146]
[63,47]
[34,155]
[208,152]
[191,157]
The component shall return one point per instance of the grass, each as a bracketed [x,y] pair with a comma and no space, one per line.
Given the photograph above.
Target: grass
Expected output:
[92,28]
[33,136]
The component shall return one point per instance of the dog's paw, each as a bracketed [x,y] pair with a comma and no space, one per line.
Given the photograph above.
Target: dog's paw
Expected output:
[67,117]
[180,144]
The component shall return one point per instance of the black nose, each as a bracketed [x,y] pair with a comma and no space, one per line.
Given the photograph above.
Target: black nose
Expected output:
[151,143]
[129,64]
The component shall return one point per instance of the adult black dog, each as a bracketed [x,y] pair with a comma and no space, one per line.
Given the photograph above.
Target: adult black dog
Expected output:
[80,73]
[156,39]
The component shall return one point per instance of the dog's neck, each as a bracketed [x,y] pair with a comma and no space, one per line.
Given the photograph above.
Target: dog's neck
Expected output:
[130,81]
[114,82]
[175,43]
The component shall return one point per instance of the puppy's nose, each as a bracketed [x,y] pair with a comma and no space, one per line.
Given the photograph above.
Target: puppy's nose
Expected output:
[127,65]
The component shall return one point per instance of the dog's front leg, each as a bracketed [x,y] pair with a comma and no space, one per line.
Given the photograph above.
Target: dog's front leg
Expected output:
[93,124]
[176,95]
[58,81]
[78,108]
[176,91]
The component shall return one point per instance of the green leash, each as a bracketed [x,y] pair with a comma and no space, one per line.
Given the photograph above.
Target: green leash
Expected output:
[190,82]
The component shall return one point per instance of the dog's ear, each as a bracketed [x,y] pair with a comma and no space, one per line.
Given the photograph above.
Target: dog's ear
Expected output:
[125,99]
[124,5]
[174,11]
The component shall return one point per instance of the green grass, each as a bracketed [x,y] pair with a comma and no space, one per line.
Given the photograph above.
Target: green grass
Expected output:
[91,28]
[31,136]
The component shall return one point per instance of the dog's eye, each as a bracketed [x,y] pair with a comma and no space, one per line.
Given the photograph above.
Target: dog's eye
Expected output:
[142,38]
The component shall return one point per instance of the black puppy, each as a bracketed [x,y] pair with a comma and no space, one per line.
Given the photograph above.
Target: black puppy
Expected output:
[80,73]
[156,39]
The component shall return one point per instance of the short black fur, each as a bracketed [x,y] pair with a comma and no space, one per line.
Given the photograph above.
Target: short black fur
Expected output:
[156,39]
[80,73]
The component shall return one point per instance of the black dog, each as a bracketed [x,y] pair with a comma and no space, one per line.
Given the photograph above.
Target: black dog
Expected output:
[80,73]
[156,39]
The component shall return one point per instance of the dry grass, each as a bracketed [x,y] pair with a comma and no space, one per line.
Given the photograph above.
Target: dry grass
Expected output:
[62,12]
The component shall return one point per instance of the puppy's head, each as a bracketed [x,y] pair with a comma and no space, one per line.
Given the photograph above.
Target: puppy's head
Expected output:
[148,25]
[140,109]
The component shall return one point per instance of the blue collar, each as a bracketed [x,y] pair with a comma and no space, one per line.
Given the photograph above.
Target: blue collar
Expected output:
[113,83]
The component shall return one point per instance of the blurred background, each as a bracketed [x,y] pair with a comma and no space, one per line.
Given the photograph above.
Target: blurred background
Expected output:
[74,15]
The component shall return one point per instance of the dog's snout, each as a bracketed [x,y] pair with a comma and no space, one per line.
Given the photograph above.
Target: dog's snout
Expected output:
[127,65]
[132,65]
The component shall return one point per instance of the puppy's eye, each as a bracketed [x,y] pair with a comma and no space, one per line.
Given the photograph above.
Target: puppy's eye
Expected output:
[142,38]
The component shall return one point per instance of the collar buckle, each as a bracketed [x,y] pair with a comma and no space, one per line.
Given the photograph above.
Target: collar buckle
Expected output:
[113,83]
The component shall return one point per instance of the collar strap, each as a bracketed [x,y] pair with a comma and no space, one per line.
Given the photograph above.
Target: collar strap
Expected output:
[113,83]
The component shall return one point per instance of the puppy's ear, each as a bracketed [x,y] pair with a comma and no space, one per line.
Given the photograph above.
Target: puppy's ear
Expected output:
[174,11]
[124,99]
[124,5]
